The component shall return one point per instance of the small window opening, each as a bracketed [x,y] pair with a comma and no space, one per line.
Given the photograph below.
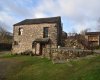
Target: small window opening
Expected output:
[20,31]
[45,32]
[15,43]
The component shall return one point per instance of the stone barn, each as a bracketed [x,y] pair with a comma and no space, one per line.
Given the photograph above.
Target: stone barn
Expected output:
[36,34]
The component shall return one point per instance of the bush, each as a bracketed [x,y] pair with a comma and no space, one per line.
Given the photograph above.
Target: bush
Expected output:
[27,52]
[5,46]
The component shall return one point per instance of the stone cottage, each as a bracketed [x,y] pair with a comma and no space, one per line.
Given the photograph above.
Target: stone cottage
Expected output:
[37,34]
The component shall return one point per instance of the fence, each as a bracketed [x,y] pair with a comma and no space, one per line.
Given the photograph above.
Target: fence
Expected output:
[5,46]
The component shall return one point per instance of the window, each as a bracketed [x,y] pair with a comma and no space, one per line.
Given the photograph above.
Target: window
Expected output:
[45,32]
[20,31]
[15,43]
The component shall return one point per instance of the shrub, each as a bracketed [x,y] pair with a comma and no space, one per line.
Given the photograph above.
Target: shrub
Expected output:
[27,52]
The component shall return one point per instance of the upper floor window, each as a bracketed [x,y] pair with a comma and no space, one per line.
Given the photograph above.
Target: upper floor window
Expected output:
[45,32]
[20,31]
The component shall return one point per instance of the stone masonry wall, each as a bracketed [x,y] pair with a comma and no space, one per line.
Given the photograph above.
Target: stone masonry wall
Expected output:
[60,55]
[30,33]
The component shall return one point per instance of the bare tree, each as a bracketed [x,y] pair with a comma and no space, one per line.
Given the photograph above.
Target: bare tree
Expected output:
[2,32]
[98,24]
[84,31]
[5,36]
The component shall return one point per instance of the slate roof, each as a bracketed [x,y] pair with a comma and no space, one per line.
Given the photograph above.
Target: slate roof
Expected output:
[92,33]
[39,20]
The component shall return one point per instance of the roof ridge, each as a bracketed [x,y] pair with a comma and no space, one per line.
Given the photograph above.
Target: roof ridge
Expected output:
[39,20]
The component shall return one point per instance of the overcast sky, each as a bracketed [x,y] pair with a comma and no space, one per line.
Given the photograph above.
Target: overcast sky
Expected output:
[76,14]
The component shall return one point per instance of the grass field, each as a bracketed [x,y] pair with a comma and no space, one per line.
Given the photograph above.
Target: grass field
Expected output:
[35,68]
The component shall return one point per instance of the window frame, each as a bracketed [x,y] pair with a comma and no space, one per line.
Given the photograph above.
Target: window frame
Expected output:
[15,43]
[45,32]
[20,31]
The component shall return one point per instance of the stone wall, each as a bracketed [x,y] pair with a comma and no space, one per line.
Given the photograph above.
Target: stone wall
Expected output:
[62,54]
[32,32]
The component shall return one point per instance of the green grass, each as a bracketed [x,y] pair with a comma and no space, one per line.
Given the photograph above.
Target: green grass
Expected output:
[35,68]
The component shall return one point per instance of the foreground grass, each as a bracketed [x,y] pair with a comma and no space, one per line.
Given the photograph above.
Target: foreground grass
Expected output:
[36,68]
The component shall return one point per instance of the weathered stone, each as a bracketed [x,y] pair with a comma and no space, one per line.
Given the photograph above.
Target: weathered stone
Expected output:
[61,55]
[31,32]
